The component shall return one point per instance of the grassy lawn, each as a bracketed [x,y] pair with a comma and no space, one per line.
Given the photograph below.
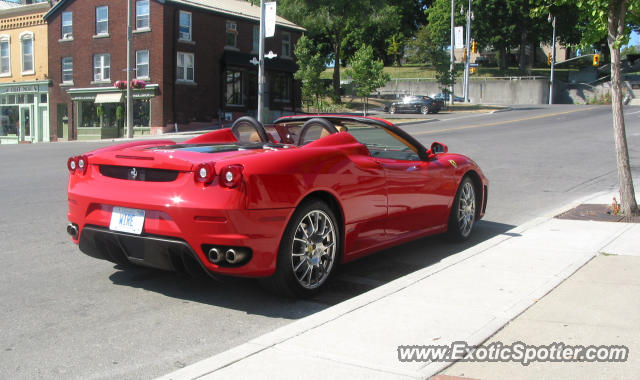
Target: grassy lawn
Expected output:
[421,72]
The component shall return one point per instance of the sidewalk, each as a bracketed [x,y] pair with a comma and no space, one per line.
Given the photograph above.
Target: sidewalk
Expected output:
[465,297]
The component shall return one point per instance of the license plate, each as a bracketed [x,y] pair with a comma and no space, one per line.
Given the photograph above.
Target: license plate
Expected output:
[127,220]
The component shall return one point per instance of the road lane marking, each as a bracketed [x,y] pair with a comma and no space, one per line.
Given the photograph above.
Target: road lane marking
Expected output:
[632,113]
[501,122]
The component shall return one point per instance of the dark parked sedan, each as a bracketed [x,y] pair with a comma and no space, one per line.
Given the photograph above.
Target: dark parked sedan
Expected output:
[416,103]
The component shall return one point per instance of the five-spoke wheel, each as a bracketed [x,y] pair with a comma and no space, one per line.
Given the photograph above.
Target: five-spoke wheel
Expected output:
[308,251]
[463,211]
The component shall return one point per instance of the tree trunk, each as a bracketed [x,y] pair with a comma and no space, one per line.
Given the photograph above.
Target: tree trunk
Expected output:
[617,10]
[502,59]
[336,71]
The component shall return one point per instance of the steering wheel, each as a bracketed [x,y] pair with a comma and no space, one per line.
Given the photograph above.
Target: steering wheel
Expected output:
[318,127]
[247,129]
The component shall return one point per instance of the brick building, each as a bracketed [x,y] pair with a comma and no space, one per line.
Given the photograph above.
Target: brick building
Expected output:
[24,81]
[193,55]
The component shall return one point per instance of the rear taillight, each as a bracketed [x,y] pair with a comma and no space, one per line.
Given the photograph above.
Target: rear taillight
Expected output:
[231,176]
[205,173]
[83,163]
[72,164]
[78,164]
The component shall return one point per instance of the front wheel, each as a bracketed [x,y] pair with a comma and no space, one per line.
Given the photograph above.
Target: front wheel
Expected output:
[463,212]
[425,110]
[392,110]
[308,251]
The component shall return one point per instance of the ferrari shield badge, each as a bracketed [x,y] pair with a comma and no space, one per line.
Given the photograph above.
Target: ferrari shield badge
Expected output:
[453,163]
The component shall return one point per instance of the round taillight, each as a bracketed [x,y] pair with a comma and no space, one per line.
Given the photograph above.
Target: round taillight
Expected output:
[83,163]
[72,165]
[231,176]
[205,173]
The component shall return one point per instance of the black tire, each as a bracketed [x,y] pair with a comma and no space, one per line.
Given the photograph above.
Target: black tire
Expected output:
[463,213]
[392,110]
[425,110]
[295,256]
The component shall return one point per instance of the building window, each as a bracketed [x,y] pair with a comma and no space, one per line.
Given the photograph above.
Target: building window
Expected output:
[286,44]
[185,67]
[142,64]
[282,87]
[102,20]
[67,70]
[27,52]
[67,25]
[255,42]
[233,88]
[5,55]
[232,34]
[101,67]
[142,14]
[184,29]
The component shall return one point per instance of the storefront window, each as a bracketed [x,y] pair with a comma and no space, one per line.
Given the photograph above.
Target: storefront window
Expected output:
[9,120]
[233,88]
[141,112]
[282,87]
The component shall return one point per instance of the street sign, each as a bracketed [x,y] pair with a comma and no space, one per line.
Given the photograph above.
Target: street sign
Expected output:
[270,19]
[459,44]
[473,65]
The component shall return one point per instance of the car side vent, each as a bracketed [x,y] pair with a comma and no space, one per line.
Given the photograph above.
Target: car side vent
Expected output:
[138,174]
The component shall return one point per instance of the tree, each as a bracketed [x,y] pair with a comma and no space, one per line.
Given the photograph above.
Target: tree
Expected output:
[334,23]
[613,19]
[367,73]
[310,65]
[396,46]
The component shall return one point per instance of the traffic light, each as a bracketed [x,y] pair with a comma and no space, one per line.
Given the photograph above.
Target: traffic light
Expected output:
[474,47]
[548,59]
[472,70]
[596,59]
[464,55]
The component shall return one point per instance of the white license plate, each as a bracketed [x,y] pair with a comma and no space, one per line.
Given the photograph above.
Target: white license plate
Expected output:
[127,220]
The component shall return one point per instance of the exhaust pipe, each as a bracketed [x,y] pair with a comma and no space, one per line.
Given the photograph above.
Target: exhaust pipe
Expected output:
[72,230]
[215,256]
[234,257]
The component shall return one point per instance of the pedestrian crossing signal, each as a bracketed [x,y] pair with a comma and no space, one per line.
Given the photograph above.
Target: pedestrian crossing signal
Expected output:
[596,59]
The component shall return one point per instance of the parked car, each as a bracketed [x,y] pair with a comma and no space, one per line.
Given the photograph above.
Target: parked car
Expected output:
[416,104]
[445,97]
[286,203]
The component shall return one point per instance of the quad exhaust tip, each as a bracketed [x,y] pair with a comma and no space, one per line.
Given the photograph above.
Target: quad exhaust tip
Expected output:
[72,230]
[215,256]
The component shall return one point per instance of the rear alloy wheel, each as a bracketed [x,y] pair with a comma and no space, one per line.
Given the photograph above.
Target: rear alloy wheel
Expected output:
[392,110]
[424,110]
[463,212]
[308,251]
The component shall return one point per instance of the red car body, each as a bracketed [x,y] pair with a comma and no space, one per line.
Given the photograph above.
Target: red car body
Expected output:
[378,202]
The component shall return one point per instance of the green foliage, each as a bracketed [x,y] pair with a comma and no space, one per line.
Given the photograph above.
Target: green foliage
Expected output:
[396,47]
[310,65]
[426,50]
[100,110]
[119,113]
[630,49]
[366,72]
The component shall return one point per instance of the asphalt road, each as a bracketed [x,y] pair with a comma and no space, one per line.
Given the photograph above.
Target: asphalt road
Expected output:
[66,315]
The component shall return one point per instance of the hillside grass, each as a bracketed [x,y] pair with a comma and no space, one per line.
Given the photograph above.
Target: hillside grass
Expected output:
[422,72]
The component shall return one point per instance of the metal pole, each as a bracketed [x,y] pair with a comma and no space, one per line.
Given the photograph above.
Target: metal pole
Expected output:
[553,61]
[453,44]
[261,66]
[129,52]
[466,64]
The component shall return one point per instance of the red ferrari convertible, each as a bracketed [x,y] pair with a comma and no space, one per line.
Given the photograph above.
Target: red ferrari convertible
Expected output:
[286,202]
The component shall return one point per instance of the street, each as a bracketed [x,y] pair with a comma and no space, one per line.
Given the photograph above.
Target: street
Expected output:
[71,316]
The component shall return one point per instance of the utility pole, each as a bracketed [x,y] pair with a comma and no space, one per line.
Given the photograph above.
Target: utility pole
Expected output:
[552,20]
[453,44]
[129,52]
[260,66]
[467,61]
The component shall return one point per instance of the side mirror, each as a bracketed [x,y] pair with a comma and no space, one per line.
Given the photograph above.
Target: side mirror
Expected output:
[437,148]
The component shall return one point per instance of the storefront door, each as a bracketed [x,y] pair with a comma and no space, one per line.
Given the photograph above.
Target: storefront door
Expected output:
[26,126]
